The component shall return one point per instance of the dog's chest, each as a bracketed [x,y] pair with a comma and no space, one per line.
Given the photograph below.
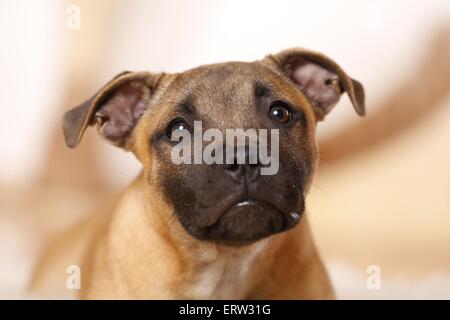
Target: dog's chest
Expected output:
[224,278]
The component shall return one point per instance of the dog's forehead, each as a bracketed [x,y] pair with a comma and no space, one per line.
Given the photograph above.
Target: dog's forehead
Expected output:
[225,89]
[227,71]
[225,80]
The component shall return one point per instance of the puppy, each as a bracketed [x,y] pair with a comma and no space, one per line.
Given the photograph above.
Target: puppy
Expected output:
[200,230]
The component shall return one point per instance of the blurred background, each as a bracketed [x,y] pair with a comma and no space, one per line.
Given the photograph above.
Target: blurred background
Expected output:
[382,192]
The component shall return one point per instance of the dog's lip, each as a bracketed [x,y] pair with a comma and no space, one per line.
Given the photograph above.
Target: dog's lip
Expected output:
[290,219]
[253,202]
[240,203]
[245,203]
[248,202]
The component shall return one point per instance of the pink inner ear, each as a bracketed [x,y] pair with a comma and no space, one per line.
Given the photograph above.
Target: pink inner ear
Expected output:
[316,82]
[121,112]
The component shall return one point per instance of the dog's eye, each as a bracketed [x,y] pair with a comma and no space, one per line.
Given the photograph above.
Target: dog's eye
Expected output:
[280,112]
[175,126]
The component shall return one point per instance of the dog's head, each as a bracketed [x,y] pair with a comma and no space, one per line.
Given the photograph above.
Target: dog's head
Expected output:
[231,201]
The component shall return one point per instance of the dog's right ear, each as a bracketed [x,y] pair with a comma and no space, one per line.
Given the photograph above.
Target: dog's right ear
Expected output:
[115,109]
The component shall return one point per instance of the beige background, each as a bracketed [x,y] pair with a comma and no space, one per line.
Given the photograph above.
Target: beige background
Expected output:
[387,206]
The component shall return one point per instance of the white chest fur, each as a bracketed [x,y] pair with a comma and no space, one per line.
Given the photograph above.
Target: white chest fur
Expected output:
[224,276]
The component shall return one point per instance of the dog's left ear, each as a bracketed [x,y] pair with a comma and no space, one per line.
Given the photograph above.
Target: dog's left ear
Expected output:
[115,108]
[321,79]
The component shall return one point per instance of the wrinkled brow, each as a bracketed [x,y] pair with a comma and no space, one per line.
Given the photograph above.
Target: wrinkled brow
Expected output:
[186,105]
[260,89]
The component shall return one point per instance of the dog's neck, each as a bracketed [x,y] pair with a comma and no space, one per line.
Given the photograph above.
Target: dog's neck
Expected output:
[222,273]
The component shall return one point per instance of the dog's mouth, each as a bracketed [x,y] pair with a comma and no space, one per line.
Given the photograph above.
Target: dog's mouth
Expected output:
[249,220]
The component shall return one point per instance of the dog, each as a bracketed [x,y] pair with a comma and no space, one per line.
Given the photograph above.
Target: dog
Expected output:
[204,231]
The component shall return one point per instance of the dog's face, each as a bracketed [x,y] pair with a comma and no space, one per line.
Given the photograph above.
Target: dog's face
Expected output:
[233,202]
[230,202]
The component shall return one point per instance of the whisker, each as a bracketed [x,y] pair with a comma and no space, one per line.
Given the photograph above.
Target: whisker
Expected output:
[320,189]
[324,160]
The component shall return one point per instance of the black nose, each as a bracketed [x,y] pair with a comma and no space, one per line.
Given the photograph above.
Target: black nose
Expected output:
[243,172]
